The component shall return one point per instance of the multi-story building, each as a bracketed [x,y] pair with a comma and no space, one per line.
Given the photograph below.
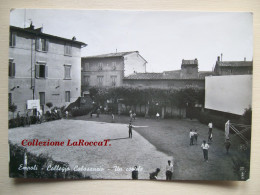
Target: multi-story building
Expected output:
[109,69]
[43,67]
[233,67]
[187,76]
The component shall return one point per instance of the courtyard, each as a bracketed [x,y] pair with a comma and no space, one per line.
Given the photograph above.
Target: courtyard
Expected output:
[154,142]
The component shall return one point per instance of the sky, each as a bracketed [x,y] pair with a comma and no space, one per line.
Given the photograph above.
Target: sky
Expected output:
[163,38]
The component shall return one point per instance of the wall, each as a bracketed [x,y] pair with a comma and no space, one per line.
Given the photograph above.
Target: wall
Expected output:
[189,71]
[166,83]
[134,63]
[107,71]
[24,56]
[232,94]
[234,70]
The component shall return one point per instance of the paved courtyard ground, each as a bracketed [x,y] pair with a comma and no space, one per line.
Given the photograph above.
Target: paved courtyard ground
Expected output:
[153,144]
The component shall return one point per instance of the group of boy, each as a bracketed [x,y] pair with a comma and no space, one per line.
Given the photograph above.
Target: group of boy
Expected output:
[154,175]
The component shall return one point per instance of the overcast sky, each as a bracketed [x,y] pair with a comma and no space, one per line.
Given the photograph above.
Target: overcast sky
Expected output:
[162,38]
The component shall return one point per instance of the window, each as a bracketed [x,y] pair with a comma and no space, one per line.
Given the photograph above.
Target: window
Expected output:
[42,98]
[11,68]
[100,80]
[113,65]
[10,99]
[12,39]
[86,67]
[67,69]
[41,70]
[67,96]
[100,66]
[41,44]
[86,80]
[67,49]
[113,79]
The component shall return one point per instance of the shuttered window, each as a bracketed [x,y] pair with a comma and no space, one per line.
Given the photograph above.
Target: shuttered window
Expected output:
[10,101]
[11,68]
[67,49]
[12,39]
[42,44]
[100,80]
[41,70]
[42,98]
[67,96]
[113,79]
[86,80]
[67,69]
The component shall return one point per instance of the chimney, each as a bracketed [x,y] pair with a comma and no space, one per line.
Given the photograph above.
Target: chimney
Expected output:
[31,26]
[221,56]
[218,59]
[74,38]
[244,58]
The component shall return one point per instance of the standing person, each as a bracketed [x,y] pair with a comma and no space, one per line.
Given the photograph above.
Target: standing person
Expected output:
[40,116]
[134,115]
[195,136]
[157,116]
[113,117]
[210,125]
[130,130]
[67,114]
[135,173]
[131,117]
[205,148]
[227,145]
[18,119]
[169,170]
[153,175]
[191,137]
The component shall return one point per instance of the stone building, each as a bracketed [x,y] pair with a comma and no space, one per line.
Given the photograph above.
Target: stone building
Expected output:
[108,70]
[187,76]
[233,67]
[43,67]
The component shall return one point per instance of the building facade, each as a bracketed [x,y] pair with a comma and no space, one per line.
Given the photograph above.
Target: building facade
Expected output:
[43,67]
[109,70]
[187,76]
[233,67]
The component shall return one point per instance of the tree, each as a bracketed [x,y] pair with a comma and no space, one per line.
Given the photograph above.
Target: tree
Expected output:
[49,104]
[12,108]
[247,116]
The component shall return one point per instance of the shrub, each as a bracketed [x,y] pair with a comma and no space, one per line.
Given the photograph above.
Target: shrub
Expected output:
[49,104]
[80,111]
[247,117]
[241,168]
[41,161]
[12,108]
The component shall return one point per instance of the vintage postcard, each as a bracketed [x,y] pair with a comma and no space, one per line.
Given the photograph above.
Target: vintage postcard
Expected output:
[142,95]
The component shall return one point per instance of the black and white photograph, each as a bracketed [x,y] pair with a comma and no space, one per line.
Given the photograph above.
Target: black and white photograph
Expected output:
[131,95]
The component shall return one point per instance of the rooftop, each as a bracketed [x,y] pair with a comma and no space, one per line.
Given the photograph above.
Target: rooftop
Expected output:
[235,63]
[38,32]
[167,75]
[110,55]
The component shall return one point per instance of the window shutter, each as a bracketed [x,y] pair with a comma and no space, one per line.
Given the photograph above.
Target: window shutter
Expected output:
[10,38]
[10,68]
[37,44]
[13,69]
[46,71]
[14,39]
[37,70]
[47,45]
